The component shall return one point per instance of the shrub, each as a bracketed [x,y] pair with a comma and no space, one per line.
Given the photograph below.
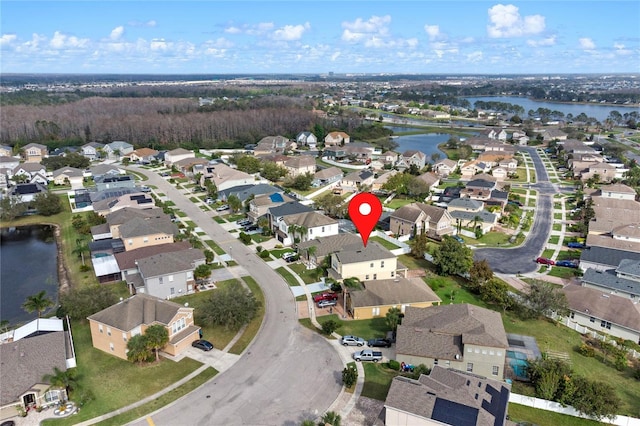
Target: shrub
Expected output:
[586,350]
[264,254]
[349,376]
[394,365]
[259,249]
[245,238]
[85,268]
[330,326]
[620,362]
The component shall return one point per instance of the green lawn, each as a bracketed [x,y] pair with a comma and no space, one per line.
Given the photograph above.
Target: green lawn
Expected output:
[277,253]
[519,191]
[252,328]
[126,382]
[557,227]
[562,272]
[378,377]
[234,217]
[215,247]
[384,243]
[413,263]
[557,216]
[290,279]
[451,290]
[396,203]
[554,239]
[495,239]
[259,238]
[180,213]
[548,253]
[568,255]
[309,276]
[219,219]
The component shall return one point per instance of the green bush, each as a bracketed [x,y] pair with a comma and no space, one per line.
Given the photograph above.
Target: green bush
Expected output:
[85,268]
[394,365]
[264,254]
[349,376]
[586,350]
[245,238]
[330,326]
[259,249]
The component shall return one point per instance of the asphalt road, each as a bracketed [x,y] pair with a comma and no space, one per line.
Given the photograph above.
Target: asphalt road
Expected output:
[286,375]
[522,259]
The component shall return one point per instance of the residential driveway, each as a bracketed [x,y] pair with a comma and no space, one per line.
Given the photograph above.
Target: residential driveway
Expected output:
[287,374]
[521,259]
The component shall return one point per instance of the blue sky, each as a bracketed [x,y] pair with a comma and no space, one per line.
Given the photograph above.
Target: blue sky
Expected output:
[320,36]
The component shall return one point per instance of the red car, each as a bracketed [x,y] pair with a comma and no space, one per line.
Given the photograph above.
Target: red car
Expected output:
[324,296]
[545,261]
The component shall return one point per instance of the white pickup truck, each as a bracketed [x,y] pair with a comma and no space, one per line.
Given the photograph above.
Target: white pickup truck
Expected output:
[367,355]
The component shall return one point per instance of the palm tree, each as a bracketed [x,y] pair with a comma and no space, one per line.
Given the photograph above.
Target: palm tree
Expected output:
[310,252]
[156,337]
[331,418]
[81,248]
[38,302]
[62,379]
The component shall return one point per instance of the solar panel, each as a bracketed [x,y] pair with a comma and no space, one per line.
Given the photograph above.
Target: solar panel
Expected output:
[452,413]
[498,405]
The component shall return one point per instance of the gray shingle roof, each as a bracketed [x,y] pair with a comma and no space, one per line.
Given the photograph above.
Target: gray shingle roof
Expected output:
[289,208]
[355,253]
[608,279]
[327,173]
[137,310]
[615,309]
[441,331]
[170,262]
[27,360]
[393,292]
[629,267]
[482,402]
[309,219]
[127,259]
[138,227]
[330,244]
[485,216]
[466,203]
[126,214]
[607,256]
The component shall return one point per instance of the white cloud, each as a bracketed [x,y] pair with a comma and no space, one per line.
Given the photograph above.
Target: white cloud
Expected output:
[586,43]
[232,30]
[335,56]
[158,44]
[63,41]
[549,41]
[291,32]
[256,30]
[505,21]
[219,43]
[151,23]
[433,31]
[359,29]
[621,49]
[6,39]
[475,56]
[116,33]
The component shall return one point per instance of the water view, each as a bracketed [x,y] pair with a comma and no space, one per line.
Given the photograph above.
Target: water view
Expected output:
[599,112]
[28,265]
[425,142]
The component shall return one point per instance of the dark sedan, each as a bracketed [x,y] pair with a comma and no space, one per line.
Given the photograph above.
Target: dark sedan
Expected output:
[205,345]
[379,343]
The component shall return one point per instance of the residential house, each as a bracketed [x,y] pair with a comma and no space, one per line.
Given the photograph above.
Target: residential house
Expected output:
[4,181]
[461,336]
[305,226]
[618,191]
[307,139]
[166,275]
[27,192]
[34,152]
[611,213]
[245,192]
[273,144]
[190,166]
[117,149]
[520,138]
[431,179]
[604,171]
[278,159]
[494,133]
[63,151]
[574,147]
[6,151]
[447,397]
[603,312]
[357,151]
[276,214]
[553,134]
[140,232]
[127,260]
[416,158]
[379,182]
[618,239]
[30,173]
[372,262]
[623,281]
[629,233]
[143,155]
[445,167]
[465,204]
[29,353]
[375,298]
[105,182]
[493,158]
[92,150]
[324,246]
[604,258]
[224,177]
[511,164]
[336,138]
[389,157]
[500,173]
[416,218]
[100,170]
[300,165]
[69,176]
[467,219]
[175,155]
[326,176]
[136,200]
[472,168]
[114,326]
[357,179]
[260,204]
[9,163]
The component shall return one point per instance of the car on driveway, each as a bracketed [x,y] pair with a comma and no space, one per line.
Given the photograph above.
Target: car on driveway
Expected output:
[222,208]
[545,261]
[327,303]
[288,254]
[576,245]
[202,344]
[567,263]
[352,341]
[379,343]
[324,296]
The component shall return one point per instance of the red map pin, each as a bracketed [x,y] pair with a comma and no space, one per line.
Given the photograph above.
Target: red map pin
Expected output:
[365,210]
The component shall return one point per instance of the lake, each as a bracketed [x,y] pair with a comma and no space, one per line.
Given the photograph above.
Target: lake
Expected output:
[425,142]
[28,265]
[599,112]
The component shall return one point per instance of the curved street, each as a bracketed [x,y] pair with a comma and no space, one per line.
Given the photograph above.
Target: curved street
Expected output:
[520,260]
[287,374]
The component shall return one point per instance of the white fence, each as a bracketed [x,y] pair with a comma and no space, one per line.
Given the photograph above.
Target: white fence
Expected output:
[543,404]
[345,165]
[403,247]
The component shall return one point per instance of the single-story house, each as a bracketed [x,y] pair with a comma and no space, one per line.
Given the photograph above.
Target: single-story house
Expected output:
[326,176]
[175,155]
[69,176]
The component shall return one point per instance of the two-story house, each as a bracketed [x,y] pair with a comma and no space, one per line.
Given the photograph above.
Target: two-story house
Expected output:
[143,155]
[6,151]
[276,214]
[445,167]
[175,155]
[461,336]
[300,164]
[117,149]
[260,204]
[305,226]
[372,262]
[92,150]
[415,218]
[273,144]
[307,139]
[416,158]
[225,177]
[326,176]
[622,281]
[336,138]
[495,133]
[114,326]
[34,152]
[30,172]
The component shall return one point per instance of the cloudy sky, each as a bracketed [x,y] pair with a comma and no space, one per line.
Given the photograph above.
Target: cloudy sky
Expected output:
[319,36]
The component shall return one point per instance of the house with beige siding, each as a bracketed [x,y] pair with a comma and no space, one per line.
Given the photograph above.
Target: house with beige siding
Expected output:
[461,336]
[34,152]
[301,164]
[175,155]
[372,262]
[114,326]
[336,138]
[418,217]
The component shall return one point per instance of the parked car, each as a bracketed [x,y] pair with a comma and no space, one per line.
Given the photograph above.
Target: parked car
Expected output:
[367,355]
[293,258]
[352,341]
[379,343]
[243,222]
[209,200]
[222,208]
[567,263]
[251,228]
[289,254]
[458,238]
[327,303]
[324,296]
[576,245]
[202,344]
[545,261]
[145,189]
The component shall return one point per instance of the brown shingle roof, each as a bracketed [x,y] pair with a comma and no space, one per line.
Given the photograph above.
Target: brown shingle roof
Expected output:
[309,219]
[170,262]
[596,303]
[137,310]
[330,244]
[138,227]
[300,161]
[393,292]
[127,259]
[617,187]
[355,253]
